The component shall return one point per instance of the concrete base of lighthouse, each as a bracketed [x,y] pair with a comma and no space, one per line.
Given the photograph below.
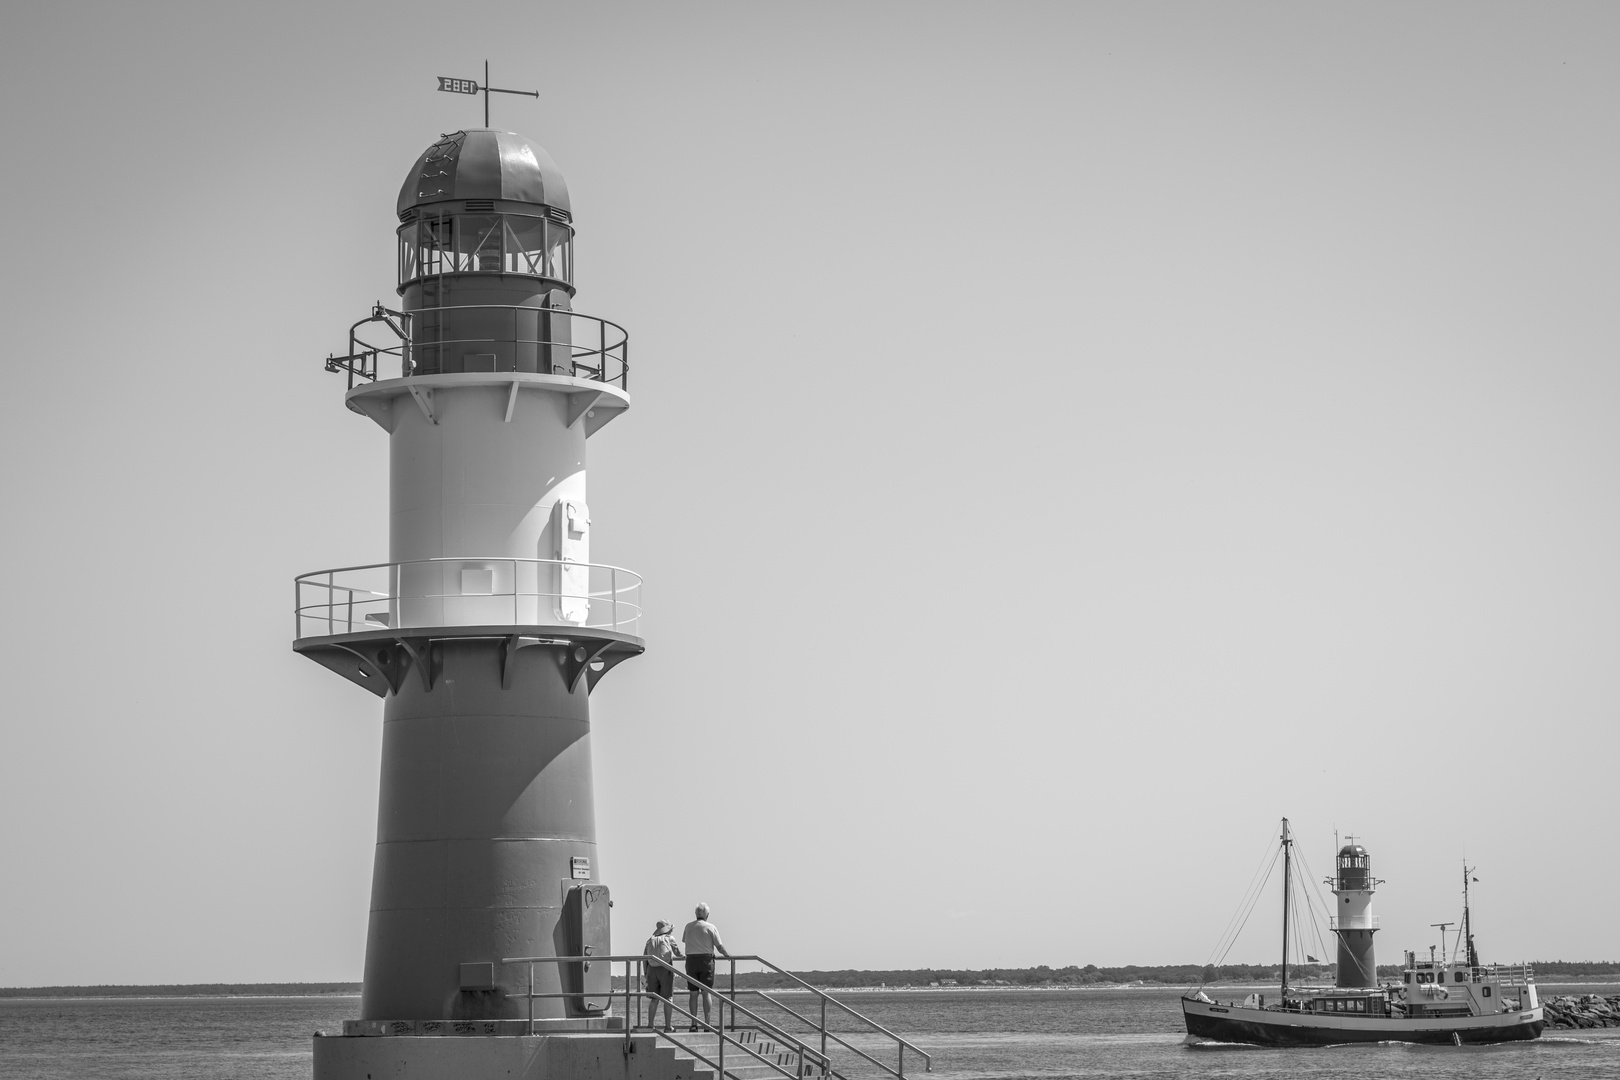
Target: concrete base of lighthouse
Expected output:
[575,1056]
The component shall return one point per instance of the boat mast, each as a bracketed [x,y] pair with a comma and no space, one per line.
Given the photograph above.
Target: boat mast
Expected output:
[1287,888]
[1468,925]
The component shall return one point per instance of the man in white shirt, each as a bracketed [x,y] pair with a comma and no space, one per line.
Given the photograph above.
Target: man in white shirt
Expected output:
[702,940]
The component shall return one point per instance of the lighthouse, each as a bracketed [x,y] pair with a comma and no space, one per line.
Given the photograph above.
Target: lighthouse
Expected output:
[1353,920]
[487,625]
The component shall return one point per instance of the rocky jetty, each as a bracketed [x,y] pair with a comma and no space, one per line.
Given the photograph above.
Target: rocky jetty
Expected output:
[1586,1011]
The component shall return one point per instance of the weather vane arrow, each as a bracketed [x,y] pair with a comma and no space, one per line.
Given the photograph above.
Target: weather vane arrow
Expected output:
[470,86]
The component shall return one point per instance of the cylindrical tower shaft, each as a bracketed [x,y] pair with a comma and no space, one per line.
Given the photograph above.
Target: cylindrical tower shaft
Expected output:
[485,804]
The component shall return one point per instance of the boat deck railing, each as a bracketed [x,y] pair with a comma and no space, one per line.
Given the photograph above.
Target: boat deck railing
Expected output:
[813,1055]
[1506,974]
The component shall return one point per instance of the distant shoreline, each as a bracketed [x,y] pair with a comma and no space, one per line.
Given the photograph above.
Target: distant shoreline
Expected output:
[352,990]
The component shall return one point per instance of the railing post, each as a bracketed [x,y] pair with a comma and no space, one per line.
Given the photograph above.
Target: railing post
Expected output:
[531,997]
[902,1061]
[331,601]
[733,982]
[627,963]
[613,590]
[823,1026]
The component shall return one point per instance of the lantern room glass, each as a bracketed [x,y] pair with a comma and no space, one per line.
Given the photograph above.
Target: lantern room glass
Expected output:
[486,244]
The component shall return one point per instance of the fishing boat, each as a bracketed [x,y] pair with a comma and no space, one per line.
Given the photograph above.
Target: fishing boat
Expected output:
[1440,999]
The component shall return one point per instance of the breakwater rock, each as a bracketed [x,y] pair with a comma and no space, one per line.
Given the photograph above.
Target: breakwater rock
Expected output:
[1586,1011]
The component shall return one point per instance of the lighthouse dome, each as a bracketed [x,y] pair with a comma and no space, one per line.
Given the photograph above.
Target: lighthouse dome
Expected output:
[484,165]
[1352,851]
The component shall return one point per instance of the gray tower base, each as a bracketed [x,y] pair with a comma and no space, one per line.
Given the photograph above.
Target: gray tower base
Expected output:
[1356,964]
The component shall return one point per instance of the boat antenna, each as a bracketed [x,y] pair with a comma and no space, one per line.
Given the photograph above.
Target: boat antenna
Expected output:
[1287,888]
[1442,926]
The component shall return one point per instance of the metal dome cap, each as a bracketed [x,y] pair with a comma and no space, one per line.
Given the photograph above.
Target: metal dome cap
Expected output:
[1352,851]
[484,164]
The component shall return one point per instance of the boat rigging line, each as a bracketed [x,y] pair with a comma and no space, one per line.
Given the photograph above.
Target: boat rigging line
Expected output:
[1309,900]
[1245,908]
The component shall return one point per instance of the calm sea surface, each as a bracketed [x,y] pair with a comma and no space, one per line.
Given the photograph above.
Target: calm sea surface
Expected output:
[973,1035]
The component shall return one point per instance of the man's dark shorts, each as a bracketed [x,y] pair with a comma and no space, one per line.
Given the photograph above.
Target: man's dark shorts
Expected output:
[700,968]
[660,981]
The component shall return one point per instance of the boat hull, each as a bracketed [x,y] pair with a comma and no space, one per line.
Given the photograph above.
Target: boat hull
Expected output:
[1266,1027]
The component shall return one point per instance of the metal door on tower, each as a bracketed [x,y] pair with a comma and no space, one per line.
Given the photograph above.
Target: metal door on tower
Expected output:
[586,915]
[572,524]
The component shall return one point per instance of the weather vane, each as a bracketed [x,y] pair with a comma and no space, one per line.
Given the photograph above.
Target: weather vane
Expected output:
[470,86]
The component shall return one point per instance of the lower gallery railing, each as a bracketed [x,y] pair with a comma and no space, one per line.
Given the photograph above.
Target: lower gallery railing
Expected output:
[426,593]
[817,1057]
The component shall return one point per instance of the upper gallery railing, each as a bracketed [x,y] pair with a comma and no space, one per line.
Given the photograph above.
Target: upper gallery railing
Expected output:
[426,593]
[488,337]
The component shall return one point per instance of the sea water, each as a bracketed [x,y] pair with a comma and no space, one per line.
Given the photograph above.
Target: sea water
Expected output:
[972,1035]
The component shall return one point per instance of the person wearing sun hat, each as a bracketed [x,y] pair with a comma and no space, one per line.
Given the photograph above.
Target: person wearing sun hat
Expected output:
[661,976]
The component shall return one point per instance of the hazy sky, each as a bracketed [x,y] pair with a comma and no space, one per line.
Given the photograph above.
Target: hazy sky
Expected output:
[1066,439]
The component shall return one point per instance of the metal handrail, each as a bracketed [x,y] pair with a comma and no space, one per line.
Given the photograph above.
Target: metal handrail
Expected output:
[904,1044]
[1353,922]
[820,1028]
[834,1036]
[631,989]
[362,359]
[621,596]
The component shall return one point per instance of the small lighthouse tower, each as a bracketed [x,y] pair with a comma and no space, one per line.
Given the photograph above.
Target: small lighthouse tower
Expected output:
[1353,920]
[487,626]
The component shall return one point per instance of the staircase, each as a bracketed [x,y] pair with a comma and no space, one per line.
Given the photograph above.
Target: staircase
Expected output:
[755,1047]
[686,1051]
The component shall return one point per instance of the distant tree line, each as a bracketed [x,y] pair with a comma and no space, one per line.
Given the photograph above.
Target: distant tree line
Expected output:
[186,990]
[1073,975]
[1089,975]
